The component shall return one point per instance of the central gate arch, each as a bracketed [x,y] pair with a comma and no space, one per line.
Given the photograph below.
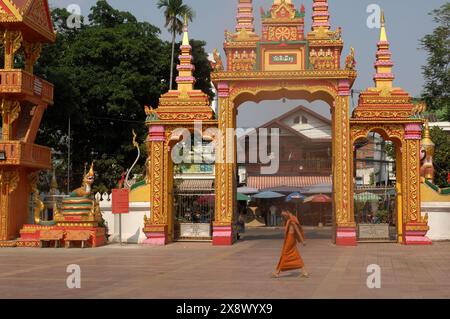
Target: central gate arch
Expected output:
[235,89]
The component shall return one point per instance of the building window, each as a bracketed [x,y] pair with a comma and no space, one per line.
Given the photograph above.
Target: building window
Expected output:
[297,120]
[304,120]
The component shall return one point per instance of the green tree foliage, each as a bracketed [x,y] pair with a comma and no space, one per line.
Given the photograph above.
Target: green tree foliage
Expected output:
[436,72]
[441,158]
[104,73]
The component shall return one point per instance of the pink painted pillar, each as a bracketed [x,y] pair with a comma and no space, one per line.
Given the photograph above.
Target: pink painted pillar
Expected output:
[416,227]
[156,228]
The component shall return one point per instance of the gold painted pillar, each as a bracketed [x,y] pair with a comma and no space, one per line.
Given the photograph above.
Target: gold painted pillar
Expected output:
[10,111]
[12,42]
[400,189]
[223,229]
[415,226]
[9,180]
[169,188]
[156,227]
[342,167]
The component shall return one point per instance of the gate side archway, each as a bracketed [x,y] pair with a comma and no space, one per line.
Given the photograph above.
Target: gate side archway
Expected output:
[391,112]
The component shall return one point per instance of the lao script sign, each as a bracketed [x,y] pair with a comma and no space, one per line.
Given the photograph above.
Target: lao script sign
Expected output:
[120,201]
[283,58]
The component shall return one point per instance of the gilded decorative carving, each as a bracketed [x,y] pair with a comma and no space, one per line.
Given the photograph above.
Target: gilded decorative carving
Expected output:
[381,114]
[350,62]
[358,131]
[12,42]
[341,169]
[221,167]
[322,59]
[10,111]
[218,64]
[156,182]
[283,33]
[32,51]
[163,116]
[243,60]
[412,174]
[310,87]
[9,180]
[283,75]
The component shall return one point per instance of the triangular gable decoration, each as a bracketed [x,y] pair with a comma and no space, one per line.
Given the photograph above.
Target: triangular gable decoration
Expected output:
[30,14]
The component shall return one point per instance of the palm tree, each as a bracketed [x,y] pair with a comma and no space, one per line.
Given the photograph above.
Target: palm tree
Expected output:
[175,12]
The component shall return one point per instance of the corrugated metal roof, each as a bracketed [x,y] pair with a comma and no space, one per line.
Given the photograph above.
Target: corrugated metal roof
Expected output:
[263,182]
[195,185]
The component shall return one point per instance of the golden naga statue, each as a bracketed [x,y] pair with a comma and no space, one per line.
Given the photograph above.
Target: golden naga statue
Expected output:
[427,152]
[218,65]
[80,209]
[419,108]
[86,186]
[151,113]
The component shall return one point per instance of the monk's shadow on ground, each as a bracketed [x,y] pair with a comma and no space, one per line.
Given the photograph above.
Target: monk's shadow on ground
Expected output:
[288,275]
[309,234]
[245,237]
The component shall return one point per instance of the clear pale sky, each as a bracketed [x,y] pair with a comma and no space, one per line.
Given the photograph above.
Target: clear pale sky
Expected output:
[407,21]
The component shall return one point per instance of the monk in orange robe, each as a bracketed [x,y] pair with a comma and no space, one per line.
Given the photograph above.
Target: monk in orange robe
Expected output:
[290,257]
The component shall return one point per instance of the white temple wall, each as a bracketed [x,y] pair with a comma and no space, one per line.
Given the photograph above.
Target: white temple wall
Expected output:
[132,223]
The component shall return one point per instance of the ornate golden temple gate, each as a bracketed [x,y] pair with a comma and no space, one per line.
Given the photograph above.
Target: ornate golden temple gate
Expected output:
[236,89]
[283,63]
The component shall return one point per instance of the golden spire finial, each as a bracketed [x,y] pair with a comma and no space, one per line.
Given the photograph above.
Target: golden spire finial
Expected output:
[383,35]
[185,21]
[185,35]
[427,130]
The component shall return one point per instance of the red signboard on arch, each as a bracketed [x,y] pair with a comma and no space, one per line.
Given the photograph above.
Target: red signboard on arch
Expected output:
[120,201]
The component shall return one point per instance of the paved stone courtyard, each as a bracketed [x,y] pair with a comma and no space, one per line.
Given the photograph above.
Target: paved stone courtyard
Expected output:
[199,270]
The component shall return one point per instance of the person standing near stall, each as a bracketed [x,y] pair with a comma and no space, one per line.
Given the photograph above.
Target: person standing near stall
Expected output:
[273,215]
[290,257]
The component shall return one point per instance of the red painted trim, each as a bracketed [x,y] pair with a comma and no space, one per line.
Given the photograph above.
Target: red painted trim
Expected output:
[222,241]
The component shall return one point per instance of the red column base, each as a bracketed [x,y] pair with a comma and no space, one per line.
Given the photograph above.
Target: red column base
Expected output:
[223,236]
[98,238]
[346,236]
[157,235]
[415,234]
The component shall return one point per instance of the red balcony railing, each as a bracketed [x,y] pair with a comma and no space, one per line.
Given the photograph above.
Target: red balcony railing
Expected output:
[23,154]
[20,82]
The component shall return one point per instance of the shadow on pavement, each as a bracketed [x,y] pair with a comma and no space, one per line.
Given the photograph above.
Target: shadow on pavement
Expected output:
[278,233]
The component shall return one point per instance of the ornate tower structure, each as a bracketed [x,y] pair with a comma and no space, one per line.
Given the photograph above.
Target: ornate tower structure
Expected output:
[24,26]
[240,47]
[384,77]
[325,45]
[389,111]
[283,45]
[177,108]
